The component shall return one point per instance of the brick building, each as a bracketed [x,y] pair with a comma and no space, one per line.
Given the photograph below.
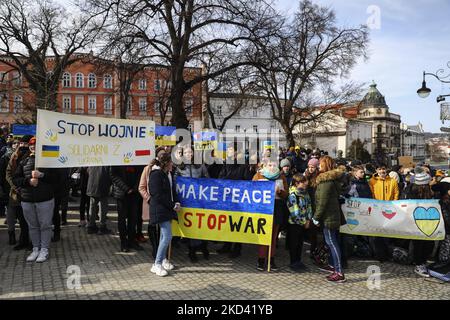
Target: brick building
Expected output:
[87,88]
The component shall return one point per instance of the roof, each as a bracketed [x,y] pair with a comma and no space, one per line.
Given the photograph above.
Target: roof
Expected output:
[373,97]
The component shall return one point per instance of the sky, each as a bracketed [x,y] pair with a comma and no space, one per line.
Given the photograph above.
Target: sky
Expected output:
[408,38]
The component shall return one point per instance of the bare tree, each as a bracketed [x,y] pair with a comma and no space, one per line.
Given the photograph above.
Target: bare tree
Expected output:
[180,33]
[33,31]
[299,66]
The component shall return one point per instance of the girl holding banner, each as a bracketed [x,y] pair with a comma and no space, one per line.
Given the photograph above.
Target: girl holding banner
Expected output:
[163,209]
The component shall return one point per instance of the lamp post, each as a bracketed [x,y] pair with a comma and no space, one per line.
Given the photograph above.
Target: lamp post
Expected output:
[424,91]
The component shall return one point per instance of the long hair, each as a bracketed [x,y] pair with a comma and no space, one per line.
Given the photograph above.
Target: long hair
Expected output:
[326,164]
[421,191]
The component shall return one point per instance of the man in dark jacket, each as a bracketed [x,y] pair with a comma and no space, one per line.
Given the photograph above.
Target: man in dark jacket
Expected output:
[61,194]
[98,189]
[125,180]
[234,171]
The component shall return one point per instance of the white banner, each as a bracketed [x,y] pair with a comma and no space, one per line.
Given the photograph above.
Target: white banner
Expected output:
[404,219]
[65,140]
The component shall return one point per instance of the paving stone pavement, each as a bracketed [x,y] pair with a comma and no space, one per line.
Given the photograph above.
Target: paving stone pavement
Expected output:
[108,274]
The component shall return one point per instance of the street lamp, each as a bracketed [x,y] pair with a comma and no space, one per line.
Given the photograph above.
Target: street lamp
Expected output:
[424,91]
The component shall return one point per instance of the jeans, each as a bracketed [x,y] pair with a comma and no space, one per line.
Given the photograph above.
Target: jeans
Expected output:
[164,241]
[331,239]
[39,218]
[127,209]
[94,210]
[296,235]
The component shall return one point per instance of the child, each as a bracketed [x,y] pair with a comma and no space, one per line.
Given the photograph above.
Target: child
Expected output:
[300,214]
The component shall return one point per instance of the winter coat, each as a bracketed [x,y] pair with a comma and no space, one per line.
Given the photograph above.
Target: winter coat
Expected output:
[192,171]
[124,179]
[14,193]
[4,185]
[145,194]
[299,163]
[386,189]
[359,188]
[300,207]
[163,197]
[44,191]
[327,199]
[62,182]
[99,182]
[235,172]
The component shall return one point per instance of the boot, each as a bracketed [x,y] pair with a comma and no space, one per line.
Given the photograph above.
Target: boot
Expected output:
[153,235]
[192,255]
[12,238]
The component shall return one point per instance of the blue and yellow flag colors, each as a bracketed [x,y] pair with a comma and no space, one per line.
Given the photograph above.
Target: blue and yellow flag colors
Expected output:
[165,136]
[50,151]
[225,210]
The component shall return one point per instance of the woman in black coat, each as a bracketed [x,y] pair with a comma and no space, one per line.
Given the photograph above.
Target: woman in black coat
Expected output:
[163,208]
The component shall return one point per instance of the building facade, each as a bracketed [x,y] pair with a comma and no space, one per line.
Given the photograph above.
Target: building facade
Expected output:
[86,88]
[413,142]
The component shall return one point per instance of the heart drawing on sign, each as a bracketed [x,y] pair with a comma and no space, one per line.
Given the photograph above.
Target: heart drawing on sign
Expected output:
[352,223]
[388,213]
[427,220]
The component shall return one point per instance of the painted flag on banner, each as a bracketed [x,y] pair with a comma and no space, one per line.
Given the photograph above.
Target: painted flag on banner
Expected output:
[141,153]
[50,151]
[205,140]
[225,210]
[165,136]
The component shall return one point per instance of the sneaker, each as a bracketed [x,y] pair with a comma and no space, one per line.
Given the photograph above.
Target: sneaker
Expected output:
[326,268]
[336,277]
[167,265]
[422,271]
[43,255]
[261,265]
[124,248]
[33,256]
[159,270]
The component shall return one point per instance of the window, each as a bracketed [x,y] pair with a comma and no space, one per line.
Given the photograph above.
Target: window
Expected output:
[107,105]
[255,128]
[189,104]
[157,106]
[142,84]
[79,80]
[379,128]
[4,104]
[79,104]
[67,103]
[219,110]
[3,77]
[92,80]
[142,104]
[107,81]
[17,103]
[255,112]
[130,105]
[66,80]
[17,78]
[92,104]
[238,128]
[157,85]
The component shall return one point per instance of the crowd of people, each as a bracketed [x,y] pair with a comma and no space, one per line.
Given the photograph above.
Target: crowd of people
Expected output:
[310,189]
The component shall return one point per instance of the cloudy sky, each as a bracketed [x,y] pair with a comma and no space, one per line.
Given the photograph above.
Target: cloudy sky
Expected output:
[413,36]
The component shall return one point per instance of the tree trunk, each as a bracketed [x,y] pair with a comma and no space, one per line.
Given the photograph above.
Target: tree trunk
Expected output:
[289,135]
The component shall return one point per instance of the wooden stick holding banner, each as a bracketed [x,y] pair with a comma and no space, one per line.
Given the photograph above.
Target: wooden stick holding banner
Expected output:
[268,257]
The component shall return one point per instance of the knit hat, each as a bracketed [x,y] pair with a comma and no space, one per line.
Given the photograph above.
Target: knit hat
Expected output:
[422,178]
[394,175]
[313,162]
[285,163]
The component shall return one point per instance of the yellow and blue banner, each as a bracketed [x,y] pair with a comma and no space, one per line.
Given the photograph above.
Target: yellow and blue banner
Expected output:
[225,210]
[205,140]
[50,151]
[403,219]
[165,136]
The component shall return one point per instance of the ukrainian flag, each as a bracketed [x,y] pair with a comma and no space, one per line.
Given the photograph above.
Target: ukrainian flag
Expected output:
[50,151]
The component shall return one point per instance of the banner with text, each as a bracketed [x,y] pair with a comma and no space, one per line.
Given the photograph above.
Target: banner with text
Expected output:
[225,210]
[404,219]
[65,140]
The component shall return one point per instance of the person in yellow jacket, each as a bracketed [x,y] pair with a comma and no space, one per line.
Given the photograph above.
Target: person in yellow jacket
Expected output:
[383,186]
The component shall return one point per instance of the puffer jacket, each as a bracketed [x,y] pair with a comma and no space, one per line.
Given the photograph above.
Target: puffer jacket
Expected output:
[384,189]
[44,191]
[161,202]
[300,208]
[124,179]
[327,199]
